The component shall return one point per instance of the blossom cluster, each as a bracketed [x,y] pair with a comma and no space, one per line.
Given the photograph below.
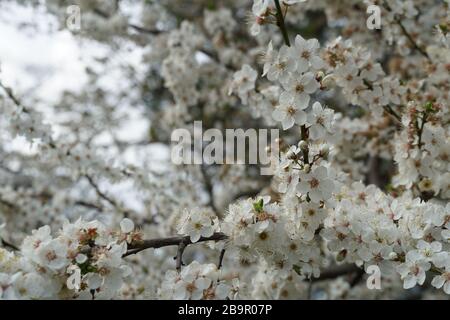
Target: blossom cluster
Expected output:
[84,261]
[362,178]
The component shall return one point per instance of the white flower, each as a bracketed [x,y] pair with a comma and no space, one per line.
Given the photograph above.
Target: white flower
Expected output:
[392,90]
[93,280]
[413,272]
[316,184]
[425,250]
[443,280]
[259,7]
[371,71]
[320,120]
[32,243]
[299,88]
[268,58]
[34,286]
[126,225]
[198,223]
[375,97]
[281,65]
[348,77]
[53,254]
[289,112]
[243,81]
[305,53]
[195,282]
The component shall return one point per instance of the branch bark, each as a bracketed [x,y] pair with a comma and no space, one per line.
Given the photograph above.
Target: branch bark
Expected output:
[134,248]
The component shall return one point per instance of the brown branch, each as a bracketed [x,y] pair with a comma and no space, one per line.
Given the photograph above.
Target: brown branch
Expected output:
[222,254]
[139,246]
[391,111]
[281,24]
[88,205]
[181,246]
[336,272]
[7,244]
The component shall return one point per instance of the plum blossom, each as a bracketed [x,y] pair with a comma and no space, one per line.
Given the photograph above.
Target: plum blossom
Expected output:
[316,184]
[289,112]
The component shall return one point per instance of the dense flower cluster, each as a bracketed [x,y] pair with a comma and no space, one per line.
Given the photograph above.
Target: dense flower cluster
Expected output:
[84,262]
[362,179]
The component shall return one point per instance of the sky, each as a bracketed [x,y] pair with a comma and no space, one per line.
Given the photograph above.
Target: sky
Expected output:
[27,56]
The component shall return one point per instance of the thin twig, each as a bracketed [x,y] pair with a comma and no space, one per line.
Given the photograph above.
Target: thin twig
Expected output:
[181,246]
[424,120]
[391,111]
[222,254]
[281,24]
[406,33]
[11,95]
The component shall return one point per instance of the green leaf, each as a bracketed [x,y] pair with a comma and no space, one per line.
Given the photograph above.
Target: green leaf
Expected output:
[259,205]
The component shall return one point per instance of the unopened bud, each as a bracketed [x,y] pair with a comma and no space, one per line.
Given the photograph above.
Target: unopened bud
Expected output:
[291,154]
[303,145]
[392,256]
[324,150]
[320,75]
[328,82]
[307,168]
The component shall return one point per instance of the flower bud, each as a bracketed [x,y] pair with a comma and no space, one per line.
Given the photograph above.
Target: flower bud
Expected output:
[328,82]
[303,145]
[320,75]
[324,150]
[290,154]
[392,256]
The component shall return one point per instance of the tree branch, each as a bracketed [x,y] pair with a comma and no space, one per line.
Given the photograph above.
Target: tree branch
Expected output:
[222,254]
[181,246]
[136,247]
[336,272]
[281,24]
[7,244]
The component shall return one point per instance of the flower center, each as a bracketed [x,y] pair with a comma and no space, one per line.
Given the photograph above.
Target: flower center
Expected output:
[51,255]
[314,183]
[320,120]
[306,55]
[263,236]
[299,88]
[291,110]
[191,287]
[281,65]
